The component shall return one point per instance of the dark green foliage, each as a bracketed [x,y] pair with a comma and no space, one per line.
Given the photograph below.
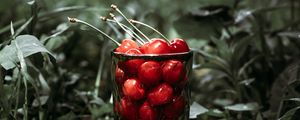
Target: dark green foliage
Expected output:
[246,63]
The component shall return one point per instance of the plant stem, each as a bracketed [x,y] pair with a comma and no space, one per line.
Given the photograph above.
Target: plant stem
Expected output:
[100,68]
[120,12]
[138,22]
[17,97]
[23,70]
[25,106]
[74,20]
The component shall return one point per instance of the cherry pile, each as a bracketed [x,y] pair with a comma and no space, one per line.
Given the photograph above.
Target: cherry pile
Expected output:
[148,89]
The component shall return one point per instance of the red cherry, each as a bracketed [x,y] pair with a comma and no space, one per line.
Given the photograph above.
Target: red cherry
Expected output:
[131,66]
[127,109]
[133,89]
[161,94]
[156,46]
[119,75]
[126,45]
[173,71]
[149,73]
[148,112]
[175,108]
[133,51]
[178,45]
[144,47]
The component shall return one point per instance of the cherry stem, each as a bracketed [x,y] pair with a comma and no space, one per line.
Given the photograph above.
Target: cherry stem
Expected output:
[75,20]
[143,24]
[114,7]
[124,27]
[136,36]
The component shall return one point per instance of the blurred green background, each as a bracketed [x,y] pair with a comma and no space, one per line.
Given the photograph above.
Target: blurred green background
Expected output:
[246,52]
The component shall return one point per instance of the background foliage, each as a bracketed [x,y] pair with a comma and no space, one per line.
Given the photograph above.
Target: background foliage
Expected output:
[246,64]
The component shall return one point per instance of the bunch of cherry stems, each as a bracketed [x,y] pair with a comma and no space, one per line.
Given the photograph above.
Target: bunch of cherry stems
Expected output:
[122,26]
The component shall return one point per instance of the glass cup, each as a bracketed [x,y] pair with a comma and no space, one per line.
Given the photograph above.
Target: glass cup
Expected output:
[152,87]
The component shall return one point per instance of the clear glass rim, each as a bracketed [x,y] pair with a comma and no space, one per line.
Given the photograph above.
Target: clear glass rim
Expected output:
[182,56]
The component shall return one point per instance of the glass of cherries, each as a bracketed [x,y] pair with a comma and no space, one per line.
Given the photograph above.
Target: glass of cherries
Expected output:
[150,76]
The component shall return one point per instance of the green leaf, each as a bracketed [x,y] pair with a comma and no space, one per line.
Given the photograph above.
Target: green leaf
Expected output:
[41,99]
[44,87]
[247,81]
[287,105]
[56,42]
[215,113]
[247,64]
[104,109]
[196,43]
[28,44]
[197,109]
[97,101]
[240,46]
[215,66]
[211,57]
[295,35]
[223,102]
[223,49]
[289,115]
[202,28]
[295,99]
[242,15]
[31,2]
[243,107]
[68,116]
[59,30]
[259,117]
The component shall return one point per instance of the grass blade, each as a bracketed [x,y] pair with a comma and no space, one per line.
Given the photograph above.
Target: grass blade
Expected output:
[23,27]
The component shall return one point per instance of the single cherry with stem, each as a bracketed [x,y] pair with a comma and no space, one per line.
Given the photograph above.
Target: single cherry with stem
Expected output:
[75,20]
[123,47]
